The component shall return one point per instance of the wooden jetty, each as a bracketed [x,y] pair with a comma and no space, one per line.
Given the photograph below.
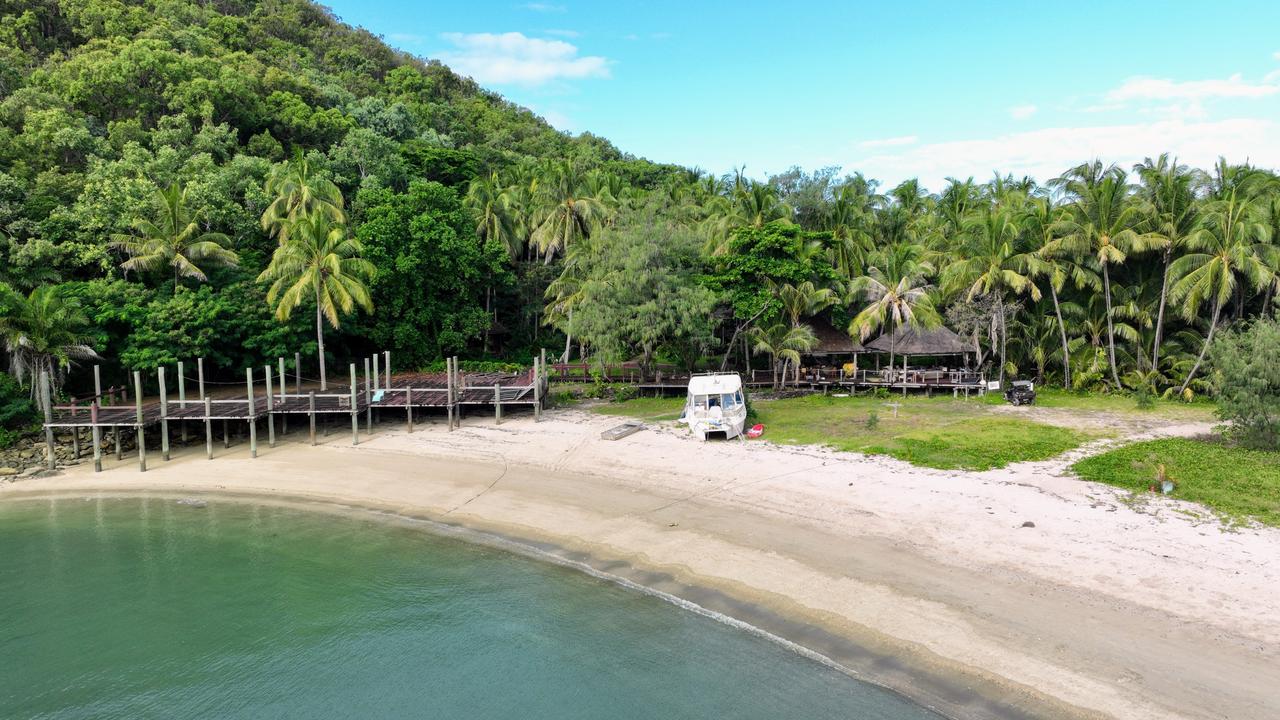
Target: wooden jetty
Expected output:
[268,394]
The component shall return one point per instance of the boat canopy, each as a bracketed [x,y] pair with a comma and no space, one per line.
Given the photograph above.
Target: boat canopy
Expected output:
[715,393]
[714,384]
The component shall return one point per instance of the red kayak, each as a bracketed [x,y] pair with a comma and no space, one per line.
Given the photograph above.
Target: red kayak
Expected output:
[755,431]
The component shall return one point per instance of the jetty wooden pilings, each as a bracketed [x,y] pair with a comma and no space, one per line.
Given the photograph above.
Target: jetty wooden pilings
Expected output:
[449,391]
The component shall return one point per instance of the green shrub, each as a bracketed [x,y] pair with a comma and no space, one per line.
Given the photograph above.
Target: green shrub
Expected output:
[1246,380]
[17,414]
[1144,398]
[477,366]
[624,392]
[873,419]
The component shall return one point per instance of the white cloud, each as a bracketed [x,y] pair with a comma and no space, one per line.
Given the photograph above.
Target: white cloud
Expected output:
[889,142]
[1147,88]
[545,7]
[1047,152]
[513,58]
[1276,54]
[1022,112]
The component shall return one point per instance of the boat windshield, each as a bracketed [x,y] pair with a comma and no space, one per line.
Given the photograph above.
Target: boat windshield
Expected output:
[724,400]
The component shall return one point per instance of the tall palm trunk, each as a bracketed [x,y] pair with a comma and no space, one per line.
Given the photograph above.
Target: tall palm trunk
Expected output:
[1062,330]
[568,337]
[320,341]
[892,337]
[1111,331]
[1004,338]
[1164,296]
[1204,349]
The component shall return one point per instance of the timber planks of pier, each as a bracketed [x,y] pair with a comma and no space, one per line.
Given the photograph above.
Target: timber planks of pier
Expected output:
[271,393]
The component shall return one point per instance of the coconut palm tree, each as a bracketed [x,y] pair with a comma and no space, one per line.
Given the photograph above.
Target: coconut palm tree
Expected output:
[320,263]
[1043,223]
[1230,245]
[1271,221]
[1172,214]
[991,263]
[563,295]
[801,301]
[849,242]
[758,204]
[895,300]
[489,201]
[571,212]
[956,201]
[173,240]
[43,332]
[1102,224]
[1089,327]
[783,344]
[299,191]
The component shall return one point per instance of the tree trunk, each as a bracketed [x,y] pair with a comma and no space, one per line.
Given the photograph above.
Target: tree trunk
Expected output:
[891,368]
[320,341]
[1004,338]
[488,311]
[1111,331]
[725,360]
[1164,296]
[568,338]
[774,366]
[1062,330]
[1204,349]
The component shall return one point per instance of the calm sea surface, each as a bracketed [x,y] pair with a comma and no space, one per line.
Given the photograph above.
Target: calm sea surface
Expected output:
[146,608]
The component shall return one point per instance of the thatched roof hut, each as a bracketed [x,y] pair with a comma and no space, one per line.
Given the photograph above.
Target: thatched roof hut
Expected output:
[918,341]
[832,341]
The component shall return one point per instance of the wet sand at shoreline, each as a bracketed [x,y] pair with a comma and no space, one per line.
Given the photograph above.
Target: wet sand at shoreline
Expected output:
[923,580]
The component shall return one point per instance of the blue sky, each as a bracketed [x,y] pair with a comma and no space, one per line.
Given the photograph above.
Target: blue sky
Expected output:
[896,90]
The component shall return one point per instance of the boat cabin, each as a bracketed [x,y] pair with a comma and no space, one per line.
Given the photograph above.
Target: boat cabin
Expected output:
[715,404]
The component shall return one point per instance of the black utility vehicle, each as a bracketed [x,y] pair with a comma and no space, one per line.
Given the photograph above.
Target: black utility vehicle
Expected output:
[1021,392]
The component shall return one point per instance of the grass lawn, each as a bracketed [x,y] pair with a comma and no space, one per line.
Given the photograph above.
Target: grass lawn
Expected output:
[1233,481]
[1054,397]
[662,409]
[938,432]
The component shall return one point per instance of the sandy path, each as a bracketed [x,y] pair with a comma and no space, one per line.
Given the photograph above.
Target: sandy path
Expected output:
[1101,609]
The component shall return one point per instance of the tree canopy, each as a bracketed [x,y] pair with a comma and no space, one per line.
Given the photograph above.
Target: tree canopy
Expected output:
[164,168]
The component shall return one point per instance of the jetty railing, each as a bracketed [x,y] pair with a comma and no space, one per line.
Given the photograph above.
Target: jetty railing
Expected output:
[267,395]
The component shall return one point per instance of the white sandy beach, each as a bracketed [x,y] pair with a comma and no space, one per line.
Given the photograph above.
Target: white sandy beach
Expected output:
[1104,608]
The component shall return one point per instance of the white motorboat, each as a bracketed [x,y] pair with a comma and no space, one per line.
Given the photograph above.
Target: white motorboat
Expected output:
[715,405]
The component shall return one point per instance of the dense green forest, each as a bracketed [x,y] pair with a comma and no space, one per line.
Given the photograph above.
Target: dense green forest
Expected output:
[240,180]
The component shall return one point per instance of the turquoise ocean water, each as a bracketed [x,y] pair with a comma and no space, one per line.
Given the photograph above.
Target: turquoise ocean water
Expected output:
[146,608]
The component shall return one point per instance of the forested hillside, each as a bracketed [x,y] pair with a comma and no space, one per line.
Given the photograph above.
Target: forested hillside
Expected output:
[239,180]
[108,103]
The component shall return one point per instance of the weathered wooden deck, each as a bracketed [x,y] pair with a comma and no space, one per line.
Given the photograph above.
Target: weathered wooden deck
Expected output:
[269,395]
